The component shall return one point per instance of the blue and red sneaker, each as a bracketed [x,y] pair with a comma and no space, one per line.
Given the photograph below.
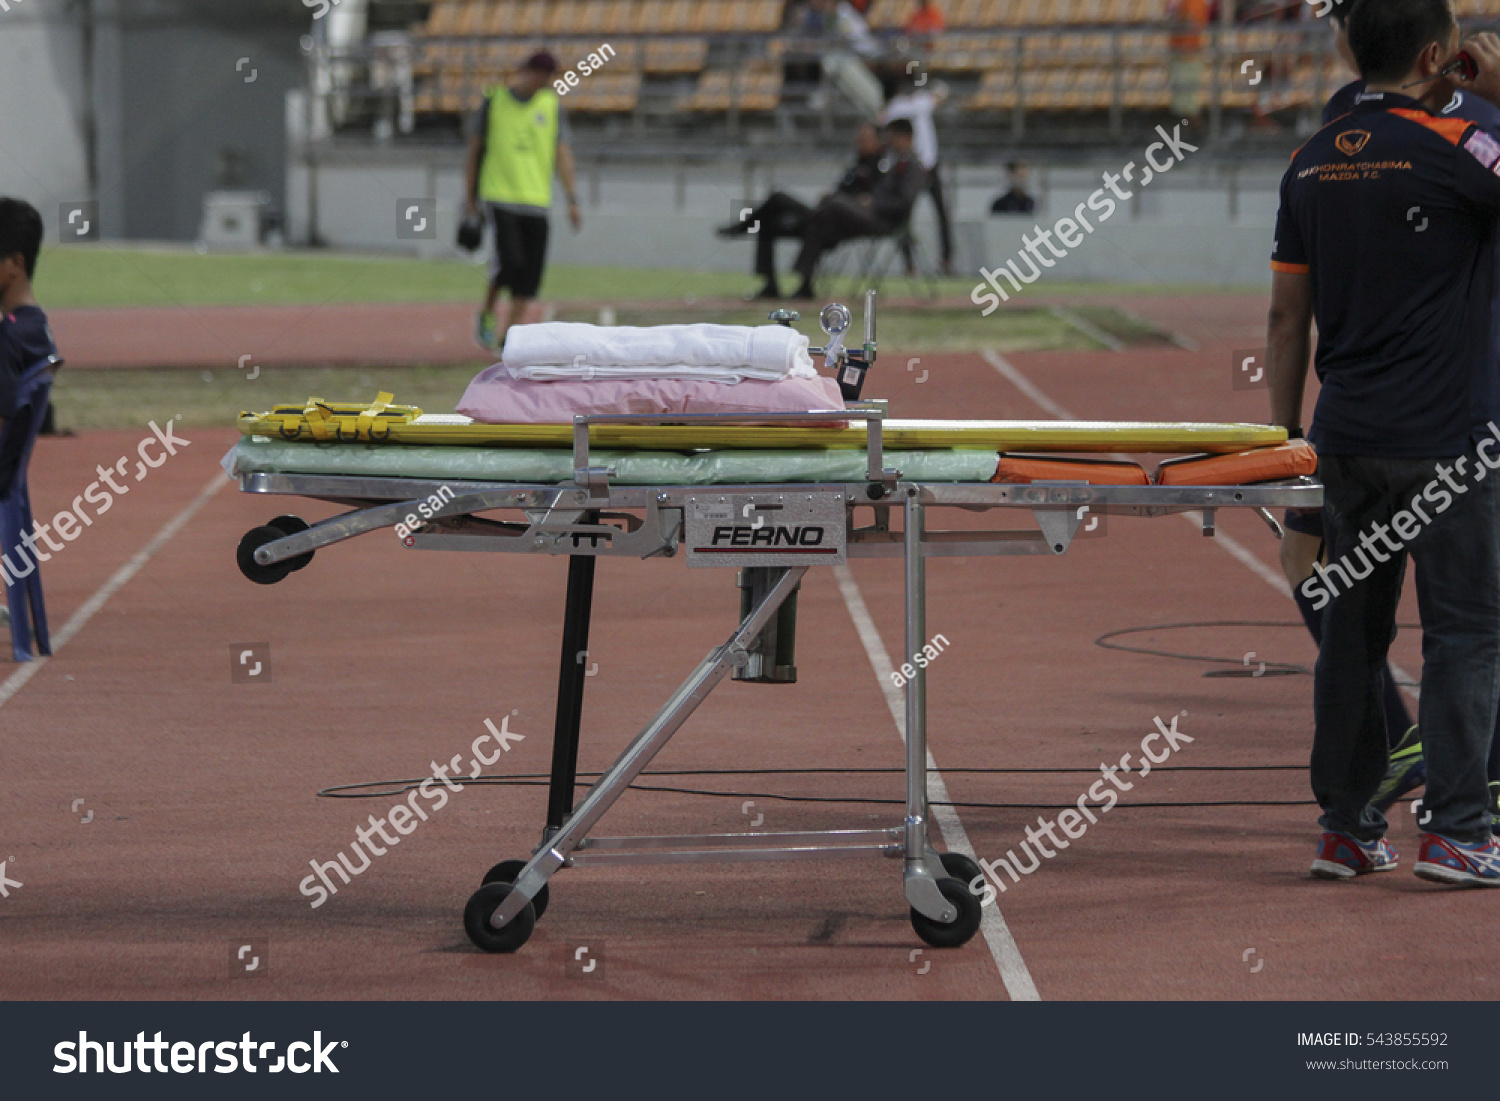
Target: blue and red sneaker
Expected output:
[1444,860]
[1343,857]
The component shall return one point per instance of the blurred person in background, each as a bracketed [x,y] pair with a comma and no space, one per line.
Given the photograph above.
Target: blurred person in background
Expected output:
[1016,200]
[917,105]
[519,141]
[881,212]
[782,215]
[1185,69]
[926,22]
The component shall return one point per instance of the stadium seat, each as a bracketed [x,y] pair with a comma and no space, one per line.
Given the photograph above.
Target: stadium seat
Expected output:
[531,18]
[473,18]
[961,13]
[647,18]
[892,14]
[617,16]
[501,19]
[675,55]
[758,90]
[1146,87]
[676,16]
[971,53]
[997,91]
[443,18]
[606,92]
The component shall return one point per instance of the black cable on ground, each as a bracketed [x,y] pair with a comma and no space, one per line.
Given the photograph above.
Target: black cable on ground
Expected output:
[1240,667]
[396,788]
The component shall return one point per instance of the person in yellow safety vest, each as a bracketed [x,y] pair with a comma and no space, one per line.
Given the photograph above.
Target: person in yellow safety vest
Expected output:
[520,138]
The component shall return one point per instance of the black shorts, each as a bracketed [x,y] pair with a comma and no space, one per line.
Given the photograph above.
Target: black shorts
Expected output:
[1307,521]
[520,251]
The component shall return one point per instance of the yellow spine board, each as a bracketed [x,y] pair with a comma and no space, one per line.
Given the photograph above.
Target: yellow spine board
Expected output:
[383,422]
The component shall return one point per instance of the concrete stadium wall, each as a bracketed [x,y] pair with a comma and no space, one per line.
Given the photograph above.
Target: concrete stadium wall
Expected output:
[1208,228]
[43,144]
[137,104]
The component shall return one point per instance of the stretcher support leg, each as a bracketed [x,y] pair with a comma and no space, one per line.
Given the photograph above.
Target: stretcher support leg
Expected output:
[714,667]
[923,868]
[570,680]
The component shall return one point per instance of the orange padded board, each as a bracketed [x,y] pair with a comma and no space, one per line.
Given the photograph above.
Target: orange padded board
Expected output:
[1264,464]
[1099,472]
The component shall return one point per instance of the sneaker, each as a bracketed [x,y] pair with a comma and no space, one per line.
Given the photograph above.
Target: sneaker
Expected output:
[1495,807]
[1444,860]
[1343,857]
[1406,771]
[484,330]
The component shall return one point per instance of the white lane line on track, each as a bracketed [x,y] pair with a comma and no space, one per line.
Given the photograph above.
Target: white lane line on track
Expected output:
[79,619]
[1013,972]
[1243,554]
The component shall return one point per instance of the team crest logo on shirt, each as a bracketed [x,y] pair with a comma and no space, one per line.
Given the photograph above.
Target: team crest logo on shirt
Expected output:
[1351,142]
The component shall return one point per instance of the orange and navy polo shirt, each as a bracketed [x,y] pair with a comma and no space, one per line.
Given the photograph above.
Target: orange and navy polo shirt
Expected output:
[1392,211]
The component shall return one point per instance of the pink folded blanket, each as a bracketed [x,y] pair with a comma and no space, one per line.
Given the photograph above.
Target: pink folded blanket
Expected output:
[496,398]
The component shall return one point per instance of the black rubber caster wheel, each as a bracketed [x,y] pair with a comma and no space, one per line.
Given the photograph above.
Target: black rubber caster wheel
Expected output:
[254,539]
[961,868]
[482,905]
[292,525]
[507,871]
[961,930]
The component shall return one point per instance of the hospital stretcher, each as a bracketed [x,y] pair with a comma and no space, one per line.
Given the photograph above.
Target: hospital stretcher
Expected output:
[818,497]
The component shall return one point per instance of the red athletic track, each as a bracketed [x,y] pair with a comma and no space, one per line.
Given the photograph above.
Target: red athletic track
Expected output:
[385,659]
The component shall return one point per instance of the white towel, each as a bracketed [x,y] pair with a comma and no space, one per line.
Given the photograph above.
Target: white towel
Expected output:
[717,353]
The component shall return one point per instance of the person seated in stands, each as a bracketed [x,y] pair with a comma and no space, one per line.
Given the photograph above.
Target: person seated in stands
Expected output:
[781,215]
[879,213]
[926,22]
[1016,200]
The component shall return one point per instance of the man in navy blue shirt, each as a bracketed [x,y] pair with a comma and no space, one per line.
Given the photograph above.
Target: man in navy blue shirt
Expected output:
[1386,237]
[1304,542]
[25,339]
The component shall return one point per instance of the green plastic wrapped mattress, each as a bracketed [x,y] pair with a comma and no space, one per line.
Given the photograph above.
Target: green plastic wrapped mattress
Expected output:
[259,455]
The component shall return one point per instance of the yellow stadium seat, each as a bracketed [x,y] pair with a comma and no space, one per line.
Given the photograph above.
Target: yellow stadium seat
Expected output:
[531,18]
[893,14]
[676,16]
[443,18]
[648,17]
[757,90]
[991,13]
[675,55]
[766,16]
[606,92]
[997,91]
[502,18]
[474,18]
[962,13]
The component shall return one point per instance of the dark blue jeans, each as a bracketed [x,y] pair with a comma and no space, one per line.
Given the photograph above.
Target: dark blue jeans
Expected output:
[1457,556]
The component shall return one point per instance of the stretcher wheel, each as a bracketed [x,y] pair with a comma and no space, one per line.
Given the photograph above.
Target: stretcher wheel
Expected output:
[292,525]
[962,929]
[482,905]
[961,868]
[254,539]
[507,871]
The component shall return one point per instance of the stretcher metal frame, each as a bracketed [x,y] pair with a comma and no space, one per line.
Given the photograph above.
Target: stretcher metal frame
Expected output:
[592,517]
